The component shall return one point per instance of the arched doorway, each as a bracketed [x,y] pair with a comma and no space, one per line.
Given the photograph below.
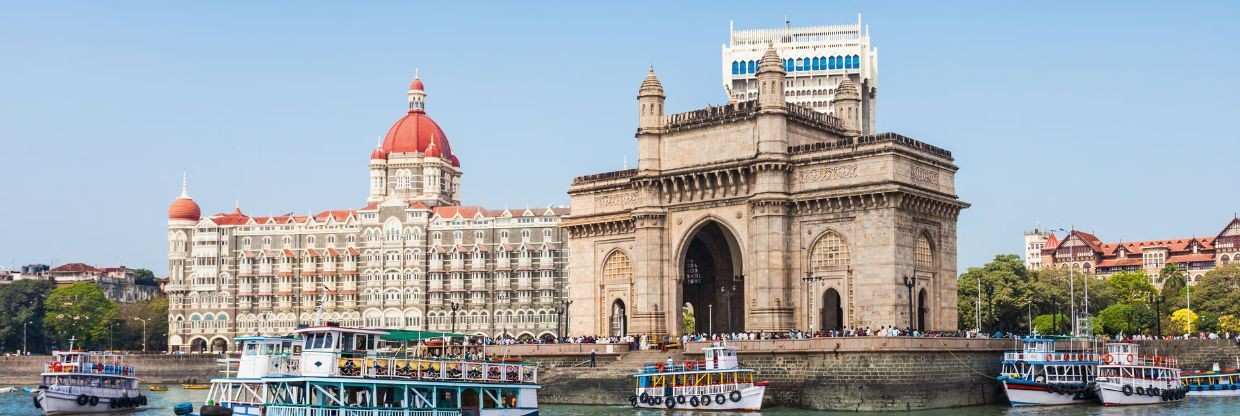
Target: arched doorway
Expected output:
[831,314]
[711,282]
[922,310]
[619,321]
[198,345]
[219,345]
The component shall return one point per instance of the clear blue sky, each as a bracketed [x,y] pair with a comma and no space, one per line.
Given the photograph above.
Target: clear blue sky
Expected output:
[1115,117]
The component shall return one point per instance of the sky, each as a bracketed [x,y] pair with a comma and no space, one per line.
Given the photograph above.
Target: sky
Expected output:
[1111,117]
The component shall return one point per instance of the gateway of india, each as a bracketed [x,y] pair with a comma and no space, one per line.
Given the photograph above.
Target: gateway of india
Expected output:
[764,215]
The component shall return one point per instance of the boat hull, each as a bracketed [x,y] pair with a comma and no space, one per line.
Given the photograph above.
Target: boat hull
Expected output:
[1214,393]
[65,403]
[750,400]
[1042,394]
[1138,393]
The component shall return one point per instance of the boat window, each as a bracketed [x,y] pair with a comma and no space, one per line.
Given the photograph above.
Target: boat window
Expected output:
[251,348]
[327,341]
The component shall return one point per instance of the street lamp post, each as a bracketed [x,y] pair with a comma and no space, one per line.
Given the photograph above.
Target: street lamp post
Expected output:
[564,311]
[909,283]
[24,348]
[455,307]
[559,313]
[143,331]
[1156,300]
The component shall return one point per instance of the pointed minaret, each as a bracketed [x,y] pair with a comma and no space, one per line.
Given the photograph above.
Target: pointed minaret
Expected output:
[846,105]
[650,99]
[771,77]
[417,94]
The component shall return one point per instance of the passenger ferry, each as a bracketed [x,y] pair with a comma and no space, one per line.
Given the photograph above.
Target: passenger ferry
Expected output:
[715,383]
[1039,375]
[335,371]
[76,382]
[1126,378]
[1213,383]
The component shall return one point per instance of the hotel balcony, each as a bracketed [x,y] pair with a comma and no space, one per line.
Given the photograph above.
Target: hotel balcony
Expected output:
[477,284]
[285,288]
[547,283]
[502,263]
[245,270]
[458,265]
[436,285]
[502,283]
[523,284]
[546,263]
[285,268]
[350,266]
[458,284]
[436,266]
[264,288]
[329,267]
[245,289]
[523,263]
[478,265]
[264,270]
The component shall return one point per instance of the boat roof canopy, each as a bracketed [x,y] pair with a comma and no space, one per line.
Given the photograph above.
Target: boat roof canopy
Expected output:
[337,328]
[404,335]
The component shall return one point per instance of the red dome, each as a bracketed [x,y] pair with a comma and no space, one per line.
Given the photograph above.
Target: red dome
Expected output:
[184,208]
[378,154]
[416,132]
[417,85]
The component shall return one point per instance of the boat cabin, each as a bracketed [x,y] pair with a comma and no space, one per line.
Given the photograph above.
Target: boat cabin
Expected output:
[263,356]
[1121,353]
[720,357]
[324,346]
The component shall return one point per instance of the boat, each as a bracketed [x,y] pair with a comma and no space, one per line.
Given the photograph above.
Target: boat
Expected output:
[195,386]
[1040,375]
[8,389]
[157,387]
[1127,378]
[1213,383]
[342,371]
[715,383]
[77,382]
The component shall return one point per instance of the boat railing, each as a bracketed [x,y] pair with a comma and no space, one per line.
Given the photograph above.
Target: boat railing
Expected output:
[1132,360]
[711,389]
[687,365]
[301,410]
[1050,356]
[440,370]
[87,367]
[283,365]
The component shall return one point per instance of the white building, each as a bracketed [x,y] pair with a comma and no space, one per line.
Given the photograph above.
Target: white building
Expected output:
[1035,240]
[412,257]
[816,59]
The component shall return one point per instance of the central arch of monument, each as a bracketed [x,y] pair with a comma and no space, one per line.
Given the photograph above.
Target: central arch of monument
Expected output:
[710,280]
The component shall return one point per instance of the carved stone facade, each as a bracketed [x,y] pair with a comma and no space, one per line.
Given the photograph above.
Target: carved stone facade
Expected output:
[762,216]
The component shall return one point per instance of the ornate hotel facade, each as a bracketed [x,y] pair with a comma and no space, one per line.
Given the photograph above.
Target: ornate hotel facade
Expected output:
[764,215]
[412,257]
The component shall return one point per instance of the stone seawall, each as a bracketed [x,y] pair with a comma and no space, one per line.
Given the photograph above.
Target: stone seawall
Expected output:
[153,369]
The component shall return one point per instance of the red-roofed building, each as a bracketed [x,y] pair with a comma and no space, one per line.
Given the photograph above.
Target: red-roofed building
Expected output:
[401,260]
[118,283]
[1083,251]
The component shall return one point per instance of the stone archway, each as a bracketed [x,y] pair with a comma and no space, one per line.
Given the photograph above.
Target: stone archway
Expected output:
[619,322]
[198,345]
[219,345]
[711,281]
[831,316]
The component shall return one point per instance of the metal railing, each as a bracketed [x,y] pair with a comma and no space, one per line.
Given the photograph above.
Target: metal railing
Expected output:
[1050,356]
[295,410]
[439,370]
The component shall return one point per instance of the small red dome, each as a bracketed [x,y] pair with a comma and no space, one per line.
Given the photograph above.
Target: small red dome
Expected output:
[184,208]
[416,132]
[417,85]
[378,154]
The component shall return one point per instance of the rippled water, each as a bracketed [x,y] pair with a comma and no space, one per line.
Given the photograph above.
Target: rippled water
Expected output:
[18,403]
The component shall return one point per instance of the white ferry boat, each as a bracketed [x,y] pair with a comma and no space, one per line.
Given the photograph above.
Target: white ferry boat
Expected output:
[1038,375]
[1213,383]
[715,383]
[354,372]
[76,382]
[1126,378]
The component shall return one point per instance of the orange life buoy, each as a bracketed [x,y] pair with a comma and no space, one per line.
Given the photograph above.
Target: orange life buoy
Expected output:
[56,367]
[659,366]
[1106,358]
[690,365]
[1130,359]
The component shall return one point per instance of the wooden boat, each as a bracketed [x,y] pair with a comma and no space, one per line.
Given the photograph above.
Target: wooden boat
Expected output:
[76,382]
[716,383]
[158,387]
[195,386]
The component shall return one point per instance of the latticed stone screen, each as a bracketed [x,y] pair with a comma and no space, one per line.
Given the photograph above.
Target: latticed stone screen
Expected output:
[924,254]
[829,253]
[617,267]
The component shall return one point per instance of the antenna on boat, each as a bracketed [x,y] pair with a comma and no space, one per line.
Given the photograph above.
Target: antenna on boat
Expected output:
[71,339]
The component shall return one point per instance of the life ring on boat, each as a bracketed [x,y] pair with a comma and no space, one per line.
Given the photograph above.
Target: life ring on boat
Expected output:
[690,365]
[693,401]
[94,400]
[633,401]
[734,396]
[680,399]
[720,400]
[659,367]
[98,367]
[1106,358]
[83,399]
[669,402]
[1127,390]
[1039,379]
[1130,359]
[56,367]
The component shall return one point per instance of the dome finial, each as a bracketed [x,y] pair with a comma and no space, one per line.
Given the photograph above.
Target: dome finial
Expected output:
[184,185]
[651,85]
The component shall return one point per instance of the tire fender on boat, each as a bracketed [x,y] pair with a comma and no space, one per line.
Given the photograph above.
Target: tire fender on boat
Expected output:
[1153,391]
[633,401]
[680,399]
[82,400]
[719,399]
[1127,390]
[94,401]
[644,398]
[38,404]
[693,401]
[705,400]
[669,402]
[734,396]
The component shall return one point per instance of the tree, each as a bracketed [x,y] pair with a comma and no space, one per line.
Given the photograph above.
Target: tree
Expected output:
[79,310]
[687,319]
[129,331]
[1120,318]
[1130,287]
[1218,291]
[1173,287]
[21,308]
[1229,323]
[144,277]
[1185,321]
[1051,324]
[1006,299]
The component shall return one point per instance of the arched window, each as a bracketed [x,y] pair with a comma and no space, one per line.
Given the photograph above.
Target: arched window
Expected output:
[735,68]
[752,67]
[1225,259]
[924,254]
[831,63]
[829,253]
[617,267]
[815,64]
[856,61]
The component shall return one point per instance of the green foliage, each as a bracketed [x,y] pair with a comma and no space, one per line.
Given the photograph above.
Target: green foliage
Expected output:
[1229,323]
[21,302]
[144,277]
[1218,291]
[1130,287]
[1005,294]
[79,310]
[1051,324]
[129,330]
[688,320]
[1124,318]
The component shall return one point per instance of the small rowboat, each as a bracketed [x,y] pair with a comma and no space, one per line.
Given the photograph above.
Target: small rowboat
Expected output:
[188,386]
[158,387]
